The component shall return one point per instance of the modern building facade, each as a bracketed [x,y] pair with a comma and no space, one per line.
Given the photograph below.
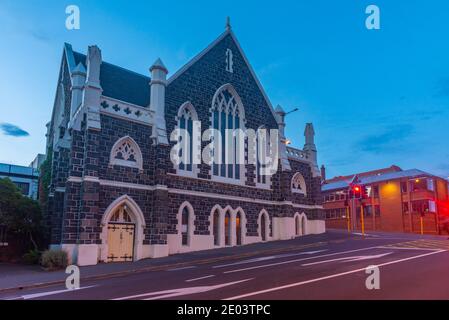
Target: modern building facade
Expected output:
[116,195]
[25,178]
[397,199]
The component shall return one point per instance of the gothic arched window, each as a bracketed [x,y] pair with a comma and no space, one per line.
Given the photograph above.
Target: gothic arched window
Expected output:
[299,184]
[262,149]
[228,116]
[126,152]
[186,119]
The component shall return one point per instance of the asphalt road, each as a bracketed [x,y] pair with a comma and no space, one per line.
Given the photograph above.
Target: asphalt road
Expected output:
[409,268]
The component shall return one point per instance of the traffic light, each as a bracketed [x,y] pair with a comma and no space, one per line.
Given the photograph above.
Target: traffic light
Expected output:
[364,192]
[357,192]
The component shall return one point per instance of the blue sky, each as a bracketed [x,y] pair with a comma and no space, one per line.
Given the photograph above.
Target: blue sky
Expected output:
[376,98]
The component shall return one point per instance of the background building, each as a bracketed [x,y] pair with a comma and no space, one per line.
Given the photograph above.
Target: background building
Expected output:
[25,178]
[396,200]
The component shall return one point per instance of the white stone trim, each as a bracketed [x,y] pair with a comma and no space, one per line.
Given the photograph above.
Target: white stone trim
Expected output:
[302,227]
[191,222]
[298,178]
[264,213]
[138,164]
[112,183]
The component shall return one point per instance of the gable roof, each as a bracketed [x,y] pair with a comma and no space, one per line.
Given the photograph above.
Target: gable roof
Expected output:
[209,48]
[375,178]
[117,82]
[393,168]
[132,87]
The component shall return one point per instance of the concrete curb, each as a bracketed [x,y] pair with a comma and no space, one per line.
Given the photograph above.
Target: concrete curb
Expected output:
[165,266]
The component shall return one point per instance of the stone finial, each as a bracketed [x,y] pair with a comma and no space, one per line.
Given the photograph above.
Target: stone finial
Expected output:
[309,134]
[158,65]
[94,61]
[228,23]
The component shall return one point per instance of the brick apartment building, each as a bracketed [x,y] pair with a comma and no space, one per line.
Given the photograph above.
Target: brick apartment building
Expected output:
[396,200]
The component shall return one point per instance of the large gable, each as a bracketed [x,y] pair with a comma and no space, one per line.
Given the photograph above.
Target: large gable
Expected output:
[210,69]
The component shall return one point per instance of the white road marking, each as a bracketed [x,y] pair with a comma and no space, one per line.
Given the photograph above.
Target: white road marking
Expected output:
[48,293]
[366,235]
[268,258]
[181,291]
[298,260]
[202,278]
[183,268]
[250,294]
[349,259]
[409,248]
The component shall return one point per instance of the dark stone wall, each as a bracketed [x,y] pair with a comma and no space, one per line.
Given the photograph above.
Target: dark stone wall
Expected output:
[80,210]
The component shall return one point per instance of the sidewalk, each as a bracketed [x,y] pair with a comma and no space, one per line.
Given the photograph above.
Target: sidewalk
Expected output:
[15,276]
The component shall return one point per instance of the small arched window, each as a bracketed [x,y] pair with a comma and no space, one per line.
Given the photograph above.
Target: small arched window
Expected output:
[299,184]
[263,179]
[185,226]
[126,152]
[186,119]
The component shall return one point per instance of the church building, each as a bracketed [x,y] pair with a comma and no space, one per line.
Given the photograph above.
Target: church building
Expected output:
[115,193]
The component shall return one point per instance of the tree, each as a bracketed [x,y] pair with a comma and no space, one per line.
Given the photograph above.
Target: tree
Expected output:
[21,215]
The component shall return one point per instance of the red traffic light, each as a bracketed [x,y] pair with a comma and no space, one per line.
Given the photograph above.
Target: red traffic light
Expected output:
[357,189]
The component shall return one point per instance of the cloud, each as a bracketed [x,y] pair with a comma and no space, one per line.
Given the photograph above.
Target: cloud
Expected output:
[13,130]
[391,140]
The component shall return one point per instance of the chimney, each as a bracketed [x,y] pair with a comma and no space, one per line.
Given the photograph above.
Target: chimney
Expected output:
[323,173]
[157,101]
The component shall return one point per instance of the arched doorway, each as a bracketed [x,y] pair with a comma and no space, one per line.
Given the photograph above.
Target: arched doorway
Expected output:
[238,228]
[121,235]
[216,227]
[227,228]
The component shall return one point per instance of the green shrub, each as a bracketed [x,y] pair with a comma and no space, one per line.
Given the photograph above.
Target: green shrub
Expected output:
[54,259]
[32,257]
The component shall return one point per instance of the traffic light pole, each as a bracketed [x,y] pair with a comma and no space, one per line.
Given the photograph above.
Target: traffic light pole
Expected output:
[348,218]
[362,213]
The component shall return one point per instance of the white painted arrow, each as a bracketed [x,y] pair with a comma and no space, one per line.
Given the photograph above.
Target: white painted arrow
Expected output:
[349,259]
[180,292]
[260,259]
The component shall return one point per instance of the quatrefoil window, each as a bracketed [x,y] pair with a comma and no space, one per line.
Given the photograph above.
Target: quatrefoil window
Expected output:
[126,152]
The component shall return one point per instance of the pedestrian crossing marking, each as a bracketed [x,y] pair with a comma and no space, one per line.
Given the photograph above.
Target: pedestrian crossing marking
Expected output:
[421,244]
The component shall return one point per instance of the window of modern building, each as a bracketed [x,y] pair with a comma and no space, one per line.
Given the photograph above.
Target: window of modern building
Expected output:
[404,186]
[420,206]
[430,185]
[24,187]
[405,207]
[377,210]
[376,192]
